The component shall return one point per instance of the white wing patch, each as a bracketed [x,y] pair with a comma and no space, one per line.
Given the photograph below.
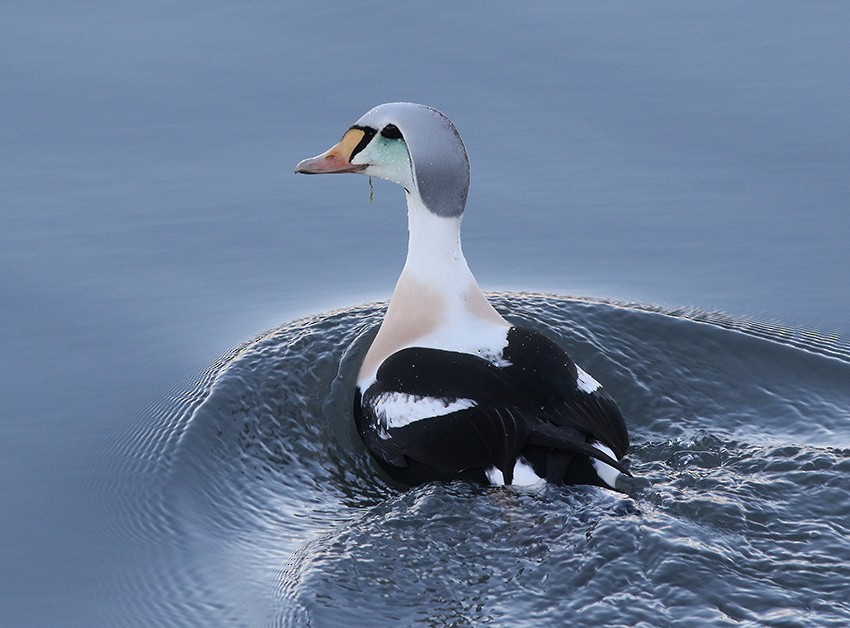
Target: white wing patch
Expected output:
[395,409]
[585,382]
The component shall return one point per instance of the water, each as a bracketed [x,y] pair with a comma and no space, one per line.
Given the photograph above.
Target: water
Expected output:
[260,504]
[691,156]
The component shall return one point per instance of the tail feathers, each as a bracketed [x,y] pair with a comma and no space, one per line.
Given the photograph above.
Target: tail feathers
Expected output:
[569,439]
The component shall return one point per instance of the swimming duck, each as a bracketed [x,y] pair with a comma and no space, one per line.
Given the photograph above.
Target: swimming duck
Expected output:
[448,388]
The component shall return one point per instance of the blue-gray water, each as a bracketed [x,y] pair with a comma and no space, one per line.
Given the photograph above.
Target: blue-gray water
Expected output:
[690,159]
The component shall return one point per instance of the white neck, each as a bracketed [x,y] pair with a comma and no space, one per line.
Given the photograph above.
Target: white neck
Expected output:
[434,254]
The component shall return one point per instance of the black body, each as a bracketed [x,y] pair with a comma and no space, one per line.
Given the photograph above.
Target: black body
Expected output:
[532,407]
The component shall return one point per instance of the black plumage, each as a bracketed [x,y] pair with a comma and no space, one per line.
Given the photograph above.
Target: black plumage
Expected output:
[529,405]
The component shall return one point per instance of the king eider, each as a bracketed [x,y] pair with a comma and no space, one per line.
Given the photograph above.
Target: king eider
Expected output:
[450,389]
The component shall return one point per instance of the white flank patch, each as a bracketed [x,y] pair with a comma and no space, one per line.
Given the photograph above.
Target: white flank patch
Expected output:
[606,472]
[399,409]
[586,383]
[524,475]
[494,476]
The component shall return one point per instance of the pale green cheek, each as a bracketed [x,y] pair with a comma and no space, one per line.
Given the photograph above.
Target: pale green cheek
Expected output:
[389,160]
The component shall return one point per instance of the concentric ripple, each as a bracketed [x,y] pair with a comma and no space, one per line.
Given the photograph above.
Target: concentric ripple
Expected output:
[259,504]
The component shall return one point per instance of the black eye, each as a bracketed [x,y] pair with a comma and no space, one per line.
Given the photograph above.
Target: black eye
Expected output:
[391,132]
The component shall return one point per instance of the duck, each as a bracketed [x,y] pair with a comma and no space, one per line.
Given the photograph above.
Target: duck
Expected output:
[448,388]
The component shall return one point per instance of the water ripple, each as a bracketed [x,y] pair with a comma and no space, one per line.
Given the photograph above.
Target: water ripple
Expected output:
[258,503]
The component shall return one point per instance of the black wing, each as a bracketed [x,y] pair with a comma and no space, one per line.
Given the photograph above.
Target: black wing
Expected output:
[533,401]
[490,433]
[547,374]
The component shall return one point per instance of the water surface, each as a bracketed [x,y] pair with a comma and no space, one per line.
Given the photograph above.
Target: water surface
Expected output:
[689,158]
[261,505]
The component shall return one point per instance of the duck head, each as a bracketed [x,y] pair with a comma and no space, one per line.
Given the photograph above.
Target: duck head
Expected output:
[414,146]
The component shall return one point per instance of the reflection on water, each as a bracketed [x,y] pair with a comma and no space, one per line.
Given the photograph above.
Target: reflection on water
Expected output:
[260,498]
